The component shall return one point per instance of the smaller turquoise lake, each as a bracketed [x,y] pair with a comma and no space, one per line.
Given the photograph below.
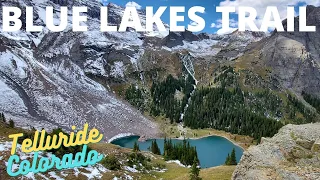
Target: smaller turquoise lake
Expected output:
[212,150]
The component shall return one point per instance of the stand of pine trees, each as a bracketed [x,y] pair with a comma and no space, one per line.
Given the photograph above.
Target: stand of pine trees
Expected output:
[163,100]
[183,152]
[226,106]
[224,109]
[312,100]
[135,97]
[3,118]
[295,106]
[231,159]
[154,148]
[136,147]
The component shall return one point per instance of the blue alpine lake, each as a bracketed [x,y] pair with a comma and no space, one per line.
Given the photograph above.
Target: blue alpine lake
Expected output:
[212,150]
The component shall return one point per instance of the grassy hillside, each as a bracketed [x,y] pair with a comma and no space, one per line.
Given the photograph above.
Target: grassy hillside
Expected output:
[160,168]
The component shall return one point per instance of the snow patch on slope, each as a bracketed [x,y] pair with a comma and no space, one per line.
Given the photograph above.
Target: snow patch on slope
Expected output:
[197,48]
[96,66]
[12,101]
[118,69]
[119,136]
[12,64]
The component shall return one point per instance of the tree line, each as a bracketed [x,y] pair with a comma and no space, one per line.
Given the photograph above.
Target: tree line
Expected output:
[10,123]
[183,152]
[226,106]
[295,107]
[312,100]
[135,97]
[224,109]
[163,97]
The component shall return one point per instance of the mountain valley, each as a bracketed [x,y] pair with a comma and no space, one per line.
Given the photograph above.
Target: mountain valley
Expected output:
[245,86]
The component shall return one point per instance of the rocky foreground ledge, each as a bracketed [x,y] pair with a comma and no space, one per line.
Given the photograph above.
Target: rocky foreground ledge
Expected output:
[293,153]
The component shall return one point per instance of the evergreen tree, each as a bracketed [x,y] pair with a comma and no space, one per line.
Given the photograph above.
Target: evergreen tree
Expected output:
[195,171]
[136,147]
[180,151]
[164,100]
[155,148]
[227,162]
[2,117]
[135,97]
[231,159]
[11,123]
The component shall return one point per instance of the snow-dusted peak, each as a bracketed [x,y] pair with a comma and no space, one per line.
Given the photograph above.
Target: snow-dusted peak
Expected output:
[46,74]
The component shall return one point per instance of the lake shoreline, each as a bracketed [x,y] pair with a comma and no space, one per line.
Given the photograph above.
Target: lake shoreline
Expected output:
[126,135]
[119,136]
[210,135]
[212,149]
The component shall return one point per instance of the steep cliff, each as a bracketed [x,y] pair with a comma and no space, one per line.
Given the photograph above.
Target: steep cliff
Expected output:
[290,57]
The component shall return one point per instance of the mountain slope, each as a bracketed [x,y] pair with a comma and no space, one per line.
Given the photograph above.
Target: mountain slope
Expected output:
[44,77]
[290,57]
[67,78]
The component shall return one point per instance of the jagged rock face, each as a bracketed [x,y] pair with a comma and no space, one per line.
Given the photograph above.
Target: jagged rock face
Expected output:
[289,154]
[293,63]
[291,57]
[176,39]
[235,44]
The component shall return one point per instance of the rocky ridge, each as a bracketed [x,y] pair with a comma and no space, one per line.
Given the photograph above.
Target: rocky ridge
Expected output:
[292,58]
[293,153]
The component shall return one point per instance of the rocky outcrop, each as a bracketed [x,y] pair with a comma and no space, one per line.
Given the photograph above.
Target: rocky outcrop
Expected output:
[293,153]
[316,146]
[234,45]
[177,38]
[290,57]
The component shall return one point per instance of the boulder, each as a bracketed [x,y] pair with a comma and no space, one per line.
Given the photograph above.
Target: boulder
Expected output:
[316,146]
